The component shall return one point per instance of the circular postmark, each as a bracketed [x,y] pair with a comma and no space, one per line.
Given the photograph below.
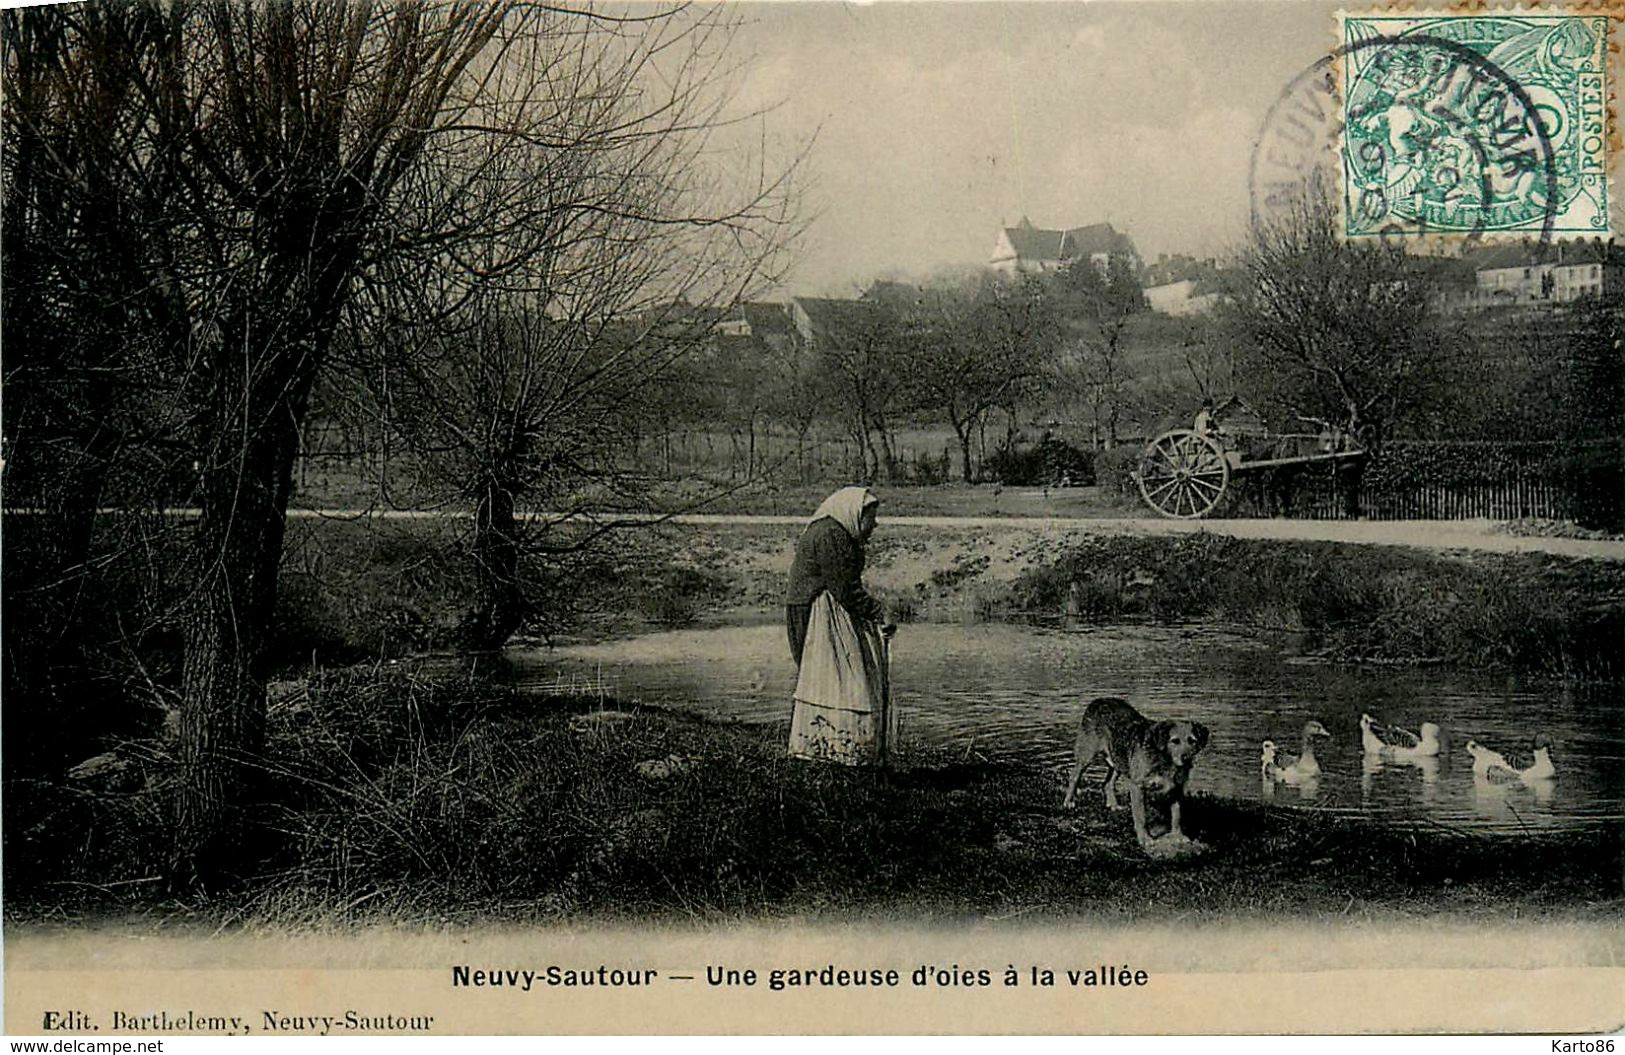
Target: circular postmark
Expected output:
[1426,135]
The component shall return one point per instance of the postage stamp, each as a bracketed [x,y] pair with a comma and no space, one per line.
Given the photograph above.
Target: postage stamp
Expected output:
[1490,125]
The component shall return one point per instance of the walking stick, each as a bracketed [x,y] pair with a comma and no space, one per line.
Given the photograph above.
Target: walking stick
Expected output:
[887,721]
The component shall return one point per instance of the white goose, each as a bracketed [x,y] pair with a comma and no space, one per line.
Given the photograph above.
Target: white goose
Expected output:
[1301,770]
[1409,746]
[1492,766]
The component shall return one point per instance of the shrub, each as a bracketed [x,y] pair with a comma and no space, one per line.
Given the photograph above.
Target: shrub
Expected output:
[921,469]
[1046,462]
[674,600]
[1593,479]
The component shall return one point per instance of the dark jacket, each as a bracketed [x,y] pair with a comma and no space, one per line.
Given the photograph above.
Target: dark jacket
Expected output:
[827,558]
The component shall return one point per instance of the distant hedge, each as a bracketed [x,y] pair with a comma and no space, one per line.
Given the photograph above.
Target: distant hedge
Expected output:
[1582,481]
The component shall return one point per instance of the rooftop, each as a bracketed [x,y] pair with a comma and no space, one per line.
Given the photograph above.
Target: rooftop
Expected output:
[1529,254]
[1042,243]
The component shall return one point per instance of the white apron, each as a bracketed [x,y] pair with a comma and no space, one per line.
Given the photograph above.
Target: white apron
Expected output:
[843,709]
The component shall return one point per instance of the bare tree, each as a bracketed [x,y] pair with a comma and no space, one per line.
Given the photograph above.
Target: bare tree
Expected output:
[1336,333]
[794,399]
[274,170]
[863,380]
[978,345]
[1097,309]
[90,336]
[1333,331]
[615,240]
[302,130]
[762,386]
[1207,359]
[744,385]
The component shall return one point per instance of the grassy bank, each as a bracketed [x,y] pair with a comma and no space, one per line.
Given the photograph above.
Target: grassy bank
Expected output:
[1523,613]
[950,499]
[403,796]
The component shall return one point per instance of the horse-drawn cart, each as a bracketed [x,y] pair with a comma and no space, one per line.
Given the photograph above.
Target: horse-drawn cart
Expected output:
[1184,473]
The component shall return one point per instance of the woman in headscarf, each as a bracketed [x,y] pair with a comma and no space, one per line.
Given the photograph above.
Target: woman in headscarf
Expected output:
[842,703]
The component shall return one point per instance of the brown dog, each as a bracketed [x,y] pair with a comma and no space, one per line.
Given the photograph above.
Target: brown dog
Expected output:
[1155,756]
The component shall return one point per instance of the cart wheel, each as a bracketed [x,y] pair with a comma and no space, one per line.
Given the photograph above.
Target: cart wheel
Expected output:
[1183,474]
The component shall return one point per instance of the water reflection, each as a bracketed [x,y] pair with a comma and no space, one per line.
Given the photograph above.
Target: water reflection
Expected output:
[1404,775]
[1304,790]
[1512,804]
[1013,693]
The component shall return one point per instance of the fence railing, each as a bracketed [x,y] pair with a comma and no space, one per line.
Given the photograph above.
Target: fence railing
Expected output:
[1515,500]
[1458,480]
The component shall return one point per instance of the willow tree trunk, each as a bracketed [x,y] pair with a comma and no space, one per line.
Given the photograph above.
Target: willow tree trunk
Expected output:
[888,453]
[750,454]
[228,623]
[499,608]
[962,431]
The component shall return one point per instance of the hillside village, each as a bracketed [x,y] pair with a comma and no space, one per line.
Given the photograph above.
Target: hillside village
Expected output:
[1065,344]
[1481,278]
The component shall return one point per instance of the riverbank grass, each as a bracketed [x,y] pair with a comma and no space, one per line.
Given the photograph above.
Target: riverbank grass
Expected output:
[1523,613]
[406,586]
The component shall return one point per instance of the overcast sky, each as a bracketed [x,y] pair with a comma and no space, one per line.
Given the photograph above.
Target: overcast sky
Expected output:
[938,122]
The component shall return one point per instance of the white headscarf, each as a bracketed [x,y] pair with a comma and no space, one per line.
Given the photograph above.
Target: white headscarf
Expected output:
[846,508]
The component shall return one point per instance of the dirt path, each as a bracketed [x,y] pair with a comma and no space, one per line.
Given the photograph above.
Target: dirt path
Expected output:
[1479,535]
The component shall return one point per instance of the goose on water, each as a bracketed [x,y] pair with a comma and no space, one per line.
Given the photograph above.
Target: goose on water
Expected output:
[1401,745]
[1493,766]
[1305,767]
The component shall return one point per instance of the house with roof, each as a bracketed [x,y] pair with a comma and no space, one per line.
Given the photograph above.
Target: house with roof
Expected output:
[766,322]
[1182,285]
[1552,274]
[821,320]
[1025,249]
[1186,296]
[1171,268]
[804,323]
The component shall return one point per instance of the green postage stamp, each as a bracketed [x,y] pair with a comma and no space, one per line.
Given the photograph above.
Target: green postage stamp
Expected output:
[1486,125]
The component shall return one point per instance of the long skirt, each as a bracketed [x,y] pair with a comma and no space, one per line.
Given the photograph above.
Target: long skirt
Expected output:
[843,709]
